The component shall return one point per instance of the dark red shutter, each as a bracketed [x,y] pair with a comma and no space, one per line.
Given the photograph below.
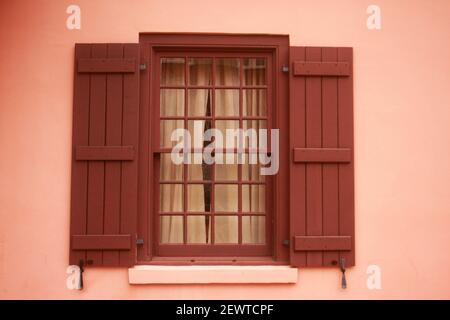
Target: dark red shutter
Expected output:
[104,159]
[322,187]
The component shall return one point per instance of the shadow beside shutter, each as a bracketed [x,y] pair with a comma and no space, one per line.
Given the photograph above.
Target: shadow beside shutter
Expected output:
[321,166]
[104,155]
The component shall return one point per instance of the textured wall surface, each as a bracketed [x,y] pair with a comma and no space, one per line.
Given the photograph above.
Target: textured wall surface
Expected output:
[402,139]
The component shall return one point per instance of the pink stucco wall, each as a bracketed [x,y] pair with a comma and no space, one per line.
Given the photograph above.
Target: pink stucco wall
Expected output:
[402,138]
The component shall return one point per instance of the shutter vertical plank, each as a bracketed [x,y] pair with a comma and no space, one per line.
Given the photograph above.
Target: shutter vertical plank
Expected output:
[330,170]
[96,172]
[79,137]
[130,125]
[113,138]
[313,170]
[297,107]
[346,172]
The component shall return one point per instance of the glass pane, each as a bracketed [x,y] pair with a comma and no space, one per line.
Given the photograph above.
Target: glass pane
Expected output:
[227,102]
[171,197]
[172,71]
[168,170]
[199,103]
[226,198]
[230,137]
[199,171]
[251,132]
[253,198]
[166,129]
[225,229]
[253,229]
[200,71]
[171,102]
[199,197]
[251,168]
[171,229]
[196,130]
[255,124]
[222,125]
[227,72]
[254,103]
[199,229]
[254,72]
[226,172]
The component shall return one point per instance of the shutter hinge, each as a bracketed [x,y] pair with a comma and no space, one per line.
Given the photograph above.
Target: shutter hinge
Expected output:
[139,242]
[142,67]
[286,243]
[285,69]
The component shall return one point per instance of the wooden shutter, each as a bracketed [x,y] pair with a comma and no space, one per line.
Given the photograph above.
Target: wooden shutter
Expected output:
[321,167]
[104,160]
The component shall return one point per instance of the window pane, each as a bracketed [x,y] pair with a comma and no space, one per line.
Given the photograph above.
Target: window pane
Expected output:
[255,124]
[226,172]
[199,229]
[253,198]
[253,229]
[199,197]
[171,197]
[226,198]
[168,170]
[200,71]
[199,172]
[227,72]
[254,72]
[222,125]
[251,132]
[196,130]
[227,102]
[226,229]
[254,103]
[199,103]
[230,141]
[251,168]
[172,71]
[171,229]
[166,129]
[171,102]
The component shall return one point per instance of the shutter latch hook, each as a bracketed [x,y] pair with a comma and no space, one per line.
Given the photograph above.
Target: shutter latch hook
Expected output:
[81,266]
[342,267]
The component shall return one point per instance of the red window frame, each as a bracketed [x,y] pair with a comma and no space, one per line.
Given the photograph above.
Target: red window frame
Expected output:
[153,46]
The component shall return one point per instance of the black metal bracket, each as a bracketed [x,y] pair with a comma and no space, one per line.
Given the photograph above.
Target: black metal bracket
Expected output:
[81,265]
[342,267]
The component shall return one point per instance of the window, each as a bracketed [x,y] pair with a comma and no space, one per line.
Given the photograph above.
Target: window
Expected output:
[226,210]
[131,203]
[213,208]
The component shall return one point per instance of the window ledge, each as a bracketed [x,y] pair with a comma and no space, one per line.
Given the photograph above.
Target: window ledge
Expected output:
[211,274]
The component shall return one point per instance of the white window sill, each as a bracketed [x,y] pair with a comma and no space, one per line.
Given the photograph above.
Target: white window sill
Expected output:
[211,274]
